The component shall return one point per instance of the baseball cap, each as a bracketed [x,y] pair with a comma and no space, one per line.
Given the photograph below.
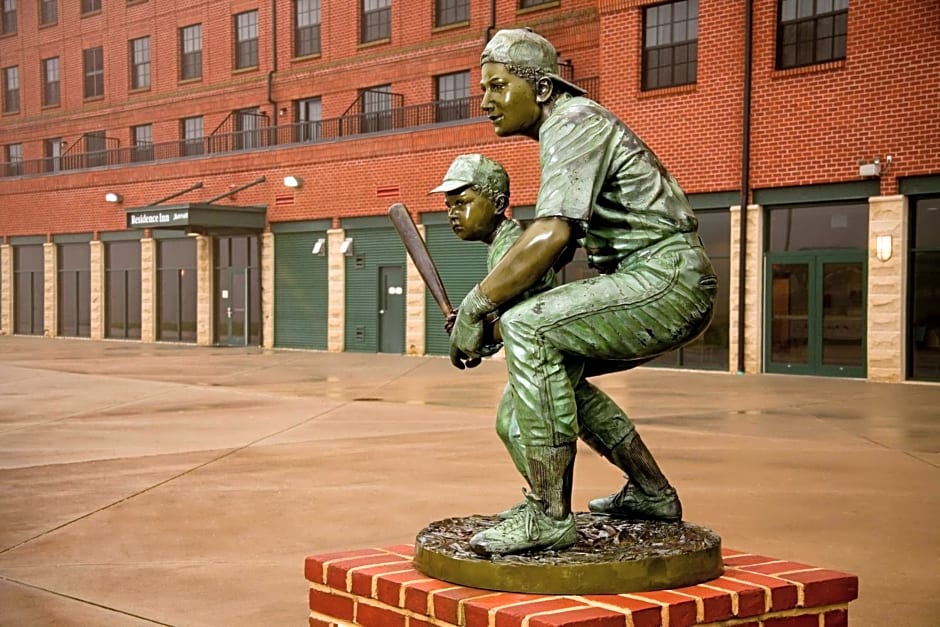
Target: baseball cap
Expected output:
[523,46]
[473,169]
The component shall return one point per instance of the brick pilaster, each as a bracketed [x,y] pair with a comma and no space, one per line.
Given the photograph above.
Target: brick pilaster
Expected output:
[336,323]
[415,335]
[267,290]
[148,290]
[6,289]
[205,290]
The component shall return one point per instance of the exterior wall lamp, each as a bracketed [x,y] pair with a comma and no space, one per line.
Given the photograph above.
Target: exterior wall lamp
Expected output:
[883,245]
[346,247]
[112,197]
[318,248]
[293,181]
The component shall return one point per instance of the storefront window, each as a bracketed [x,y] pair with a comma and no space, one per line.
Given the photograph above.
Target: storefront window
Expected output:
[924,290]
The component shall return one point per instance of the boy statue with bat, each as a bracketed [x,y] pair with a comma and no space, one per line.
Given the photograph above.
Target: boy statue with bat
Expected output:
[604,190]
[476,192]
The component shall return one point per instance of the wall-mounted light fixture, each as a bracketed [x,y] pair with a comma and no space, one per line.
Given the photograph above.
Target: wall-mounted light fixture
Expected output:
[346,247]
[318,247]
[883,245]
[282,111]
[293,181]
[874,167]
[112,197]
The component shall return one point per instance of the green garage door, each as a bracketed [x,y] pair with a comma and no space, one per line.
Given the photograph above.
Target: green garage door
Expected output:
[301,302]
[461,266]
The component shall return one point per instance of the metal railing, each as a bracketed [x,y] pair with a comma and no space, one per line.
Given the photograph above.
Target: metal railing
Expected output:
[351,125]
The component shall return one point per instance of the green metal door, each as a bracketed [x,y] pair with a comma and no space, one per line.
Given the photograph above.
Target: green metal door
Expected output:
[461,266]
[815,317]
[374,244]
[301,303]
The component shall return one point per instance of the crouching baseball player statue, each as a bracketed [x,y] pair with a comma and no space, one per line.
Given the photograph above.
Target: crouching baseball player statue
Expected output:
[604,190]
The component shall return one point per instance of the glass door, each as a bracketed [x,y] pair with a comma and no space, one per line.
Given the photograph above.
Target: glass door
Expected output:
[815,314]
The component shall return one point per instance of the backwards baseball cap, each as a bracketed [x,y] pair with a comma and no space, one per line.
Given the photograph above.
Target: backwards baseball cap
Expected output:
[522,46]
[474,169]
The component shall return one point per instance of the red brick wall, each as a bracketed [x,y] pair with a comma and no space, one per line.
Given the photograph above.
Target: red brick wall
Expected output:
[809,126]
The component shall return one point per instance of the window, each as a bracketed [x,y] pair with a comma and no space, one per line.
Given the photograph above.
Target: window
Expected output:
[50,82]
[246,40]
[248,128]
[48,12]
[306,27]
[13,155]
[924,290]
[142,138]
[91,6]
[309,114]
[376,20]
[52,151]
[139,50]
[192,132]
[93,60]
[451,12]
[376,108]
[453,96]
[811,31]
[191,52]
[11,89]
[7,17]
[670,44]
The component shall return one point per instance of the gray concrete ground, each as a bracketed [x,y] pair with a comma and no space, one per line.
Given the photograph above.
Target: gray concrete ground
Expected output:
[160,484]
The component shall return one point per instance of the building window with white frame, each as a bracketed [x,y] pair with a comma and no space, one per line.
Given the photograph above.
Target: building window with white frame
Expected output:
[447,12]
[376,20]
[7,17]
[193,135]
[51,93]
[142,138]
[453,96]
[13,155]
[48,12]
[309,112]
[11,89]
[93,63]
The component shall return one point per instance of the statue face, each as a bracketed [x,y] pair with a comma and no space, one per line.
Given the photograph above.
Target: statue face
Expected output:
[510,102]
[473,217]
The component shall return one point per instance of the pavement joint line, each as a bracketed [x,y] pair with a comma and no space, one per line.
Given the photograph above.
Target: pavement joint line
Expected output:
[175,477]
[84,601]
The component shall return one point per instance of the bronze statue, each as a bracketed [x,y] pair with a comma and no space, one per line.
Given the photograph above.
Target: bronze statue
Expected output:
[604,190]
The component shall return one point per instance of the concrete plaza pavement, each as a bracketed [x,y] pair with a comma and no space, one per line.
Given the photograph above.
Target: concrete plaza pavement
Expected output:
[164,484]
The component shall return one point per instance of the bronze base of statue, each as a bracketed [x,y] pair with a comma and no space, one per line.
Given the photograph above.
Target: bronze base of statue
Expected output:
[612,556]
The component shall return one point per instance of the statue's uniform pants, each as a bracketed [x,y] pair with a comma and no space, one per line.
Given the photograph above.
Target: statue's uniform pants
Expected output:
[658,299]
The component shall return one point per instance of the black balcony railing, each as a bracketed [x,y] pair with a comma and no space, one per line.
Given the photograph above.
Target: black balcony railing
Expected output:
[263,137]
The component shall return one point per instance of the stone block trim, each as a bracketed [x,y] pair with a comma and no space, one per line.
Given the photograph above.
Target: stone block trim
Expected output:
[379,587]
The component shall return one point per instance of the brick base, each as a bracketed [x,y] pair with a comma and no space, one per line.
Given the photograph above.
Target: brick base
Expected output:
[380,588]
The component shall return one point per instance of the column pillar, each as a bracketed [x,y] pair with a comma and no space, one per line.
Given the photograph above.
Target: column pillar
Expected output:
[886,312]
[205,291]
[98,305]
[267,290]
[336,324]
[415,327]
[6,289]
[50,314]
[148,290]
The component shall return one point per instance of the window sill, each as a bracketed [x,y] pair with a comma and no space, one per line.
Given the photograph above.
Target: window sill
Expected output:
[539,7]
[307,57]
[245,70]
[443,28]
[189,81]
[138,90]
[809,69]
[47,107]
[92,98]
[667,91]
[377,42]
[49,25]
[90,14]
[6,113]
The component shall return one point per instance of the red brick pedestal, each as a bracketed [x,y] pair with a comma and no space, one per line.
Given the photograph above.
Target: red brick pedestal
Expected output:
[380,588]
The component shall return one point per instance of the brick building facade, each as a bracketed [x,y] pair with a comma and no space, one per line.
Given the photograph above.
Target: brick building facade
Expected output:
[823,112]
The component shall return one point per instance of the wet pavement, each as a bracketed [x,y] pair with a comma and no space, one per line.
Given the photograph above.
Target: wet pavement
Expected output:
[178,485]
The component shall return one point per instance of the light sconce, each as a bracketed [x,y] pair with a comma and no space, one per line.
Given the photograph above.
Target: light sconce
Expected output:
[346,247]
[282,111]
[875,167]
[883,246]
[112,197]
[293,181]
[318,248]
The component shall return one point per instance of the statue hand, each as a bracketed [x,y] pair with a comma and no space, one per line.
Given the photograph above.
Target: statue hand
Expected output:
[466,341]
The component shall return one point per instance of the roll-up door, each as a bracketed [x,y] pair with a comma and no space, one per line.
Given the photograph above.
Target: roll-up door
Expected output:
[301,289]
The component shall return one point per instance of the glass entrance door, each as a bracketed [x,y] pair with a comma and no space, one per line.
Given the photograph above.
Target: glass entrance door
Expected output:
[815,314]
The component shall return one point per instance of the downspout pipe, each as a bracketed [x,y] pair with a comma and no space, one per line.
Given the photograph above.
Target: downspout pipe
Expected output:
[492,25]
[745,176]
[274,60]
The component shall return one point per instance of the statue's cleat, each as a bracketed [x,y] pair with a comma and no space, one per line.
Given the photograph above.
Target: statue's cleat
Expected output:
[512,511]
[631,503]
[529,529]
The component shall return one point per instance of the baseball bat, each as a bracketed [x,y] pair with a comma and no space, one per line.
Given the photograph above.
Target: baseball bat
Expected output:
[418,251]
